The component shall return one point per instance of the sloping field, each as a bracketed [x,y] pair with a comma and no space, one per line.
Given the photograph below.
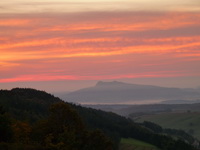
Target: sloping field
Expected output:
[132,144]
[187,121]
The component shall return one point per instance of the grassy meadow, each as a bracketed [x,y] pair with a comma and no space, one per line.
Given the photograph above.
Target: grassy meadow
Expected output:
[187,121]
[132,144]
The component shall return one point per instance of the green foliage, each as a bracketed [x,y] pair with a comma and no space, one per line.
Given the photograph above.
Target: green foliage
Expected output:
[154,127]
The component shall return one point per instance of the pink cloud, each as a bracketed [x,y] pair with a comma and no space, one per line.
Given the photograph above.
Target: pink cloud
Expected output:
[86,46]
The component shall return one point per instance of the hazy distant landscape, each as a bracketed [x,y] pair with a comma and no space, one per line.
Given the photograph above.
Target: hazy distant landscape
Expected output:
[124,93]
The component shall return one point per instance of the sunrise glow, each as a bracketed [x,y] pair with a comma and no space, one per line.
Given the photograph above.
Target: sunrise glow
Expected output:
[98,40]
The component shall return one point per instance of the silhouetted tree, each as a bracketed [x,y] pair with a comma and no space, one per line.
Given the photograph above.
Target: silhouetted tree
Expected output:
[6,132]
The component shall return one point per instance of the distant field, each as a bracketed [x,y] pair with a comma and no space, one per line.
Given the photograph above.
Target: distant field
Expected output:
[187,121]
[132,144]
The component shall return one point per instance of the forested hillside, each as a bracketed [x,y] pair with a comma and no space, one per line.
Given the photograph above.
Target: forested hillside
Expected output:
[32,119]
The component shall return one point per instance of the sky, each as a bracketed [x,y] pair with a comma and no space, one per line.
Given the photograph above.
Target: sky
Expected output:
[65,45]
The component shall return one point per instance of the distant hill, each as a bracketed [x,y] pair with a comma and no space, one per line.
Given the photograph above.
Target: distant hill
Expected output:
[181,101]
[124,93]
[126,110]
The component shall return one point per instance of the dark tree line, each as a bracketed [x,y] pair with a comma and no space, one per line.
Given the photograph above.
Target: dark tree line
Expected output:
[180,134]
[63,129]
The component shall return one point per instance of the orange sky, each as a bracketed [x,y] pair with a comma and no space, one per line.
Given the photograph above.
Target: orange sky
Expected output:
[98,45]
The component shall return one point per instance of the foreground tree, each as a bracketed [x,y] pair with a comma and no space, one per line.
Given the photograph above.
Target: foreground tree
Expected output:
[6,132]
[64,130]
